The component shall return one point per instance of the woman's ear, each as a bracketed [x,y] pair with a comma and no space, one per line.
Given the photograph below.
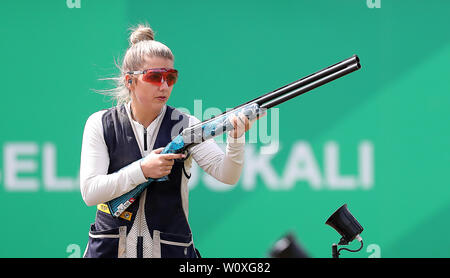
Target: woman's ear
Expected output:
[129,81]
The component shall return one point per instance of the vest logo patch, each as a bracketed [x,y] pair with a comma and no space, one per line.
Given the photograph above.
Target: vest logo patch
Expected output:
[125,215]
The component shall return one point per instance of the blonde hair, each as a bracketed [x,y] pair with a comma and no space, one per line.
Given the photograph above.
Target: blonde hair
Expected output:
[142,45]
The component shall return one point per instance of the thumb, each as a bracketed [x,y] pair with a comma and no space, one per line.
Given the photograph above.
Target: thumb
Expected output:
[157,151]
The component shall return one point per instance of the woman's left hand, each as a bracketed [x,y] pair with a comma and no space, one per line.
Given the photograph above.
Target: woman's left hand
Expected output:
[242,124]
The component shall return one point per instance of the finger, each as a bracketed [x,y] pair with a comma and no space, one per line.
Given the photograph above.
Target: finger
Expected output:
[157,151]
[166,162]
[167,168]
[232,119]
[243,118]
[238,128]
[245,121]
[171,156]
[238,121]
[163,174]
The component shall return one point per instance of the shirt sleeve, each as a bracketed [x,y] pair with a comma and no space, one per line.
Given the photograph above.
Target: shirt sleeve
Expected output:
[96,185]
[226,166]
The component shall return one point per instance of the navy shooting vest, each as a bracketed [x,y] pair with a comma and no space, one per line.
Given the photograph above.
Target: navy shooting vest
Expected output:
[164,214]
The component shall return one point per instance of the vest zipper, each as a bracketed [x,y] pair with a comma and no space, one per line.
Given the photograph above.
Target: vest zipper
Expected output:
[141,214]
[145,139]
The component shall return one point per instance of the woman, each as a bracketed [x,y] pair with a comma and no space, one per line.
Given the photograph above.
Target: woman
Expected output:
[115,140]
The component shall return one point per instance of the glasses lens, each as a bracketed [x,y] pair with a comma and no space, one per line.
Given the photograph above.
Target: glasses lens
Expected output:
[157,76]
[171,78]
[153,77]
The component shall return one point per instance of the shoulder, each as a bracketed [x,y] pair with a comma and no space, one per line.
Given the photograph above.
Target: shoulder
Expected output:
[99,117]
[96,117]
[94,123]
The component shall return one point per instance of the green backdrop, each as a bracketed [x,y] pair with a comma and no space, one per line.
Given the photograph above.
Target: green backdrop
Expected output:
[377,140]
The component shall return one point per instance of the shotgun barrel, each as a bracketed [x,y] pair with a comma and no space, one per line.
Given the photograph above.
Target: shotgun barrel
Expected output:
[339,69]
[299,86]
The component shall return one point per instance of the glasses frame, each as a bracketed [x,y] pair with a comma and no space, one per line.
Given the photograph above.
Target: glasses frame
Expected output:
[158,70]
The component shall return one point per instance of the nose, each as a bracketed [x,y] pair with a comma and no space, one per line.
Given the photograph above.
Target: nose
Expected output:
[164,85]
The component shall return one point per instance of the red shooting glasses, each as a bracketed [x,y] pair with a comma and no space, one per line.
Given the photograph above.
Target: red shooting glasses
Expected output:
[157,76]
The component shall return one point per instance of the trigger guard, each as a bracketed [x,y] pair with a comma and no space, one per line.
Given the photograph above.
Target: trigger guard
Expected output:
[187,153]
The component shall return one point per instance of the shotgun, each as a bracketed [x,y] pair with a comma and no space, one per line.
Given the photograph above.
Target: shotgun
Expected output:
[198,133]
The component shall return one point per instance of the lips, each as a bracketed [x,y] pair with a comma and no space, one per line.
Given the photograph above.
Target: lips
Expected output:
[162,98]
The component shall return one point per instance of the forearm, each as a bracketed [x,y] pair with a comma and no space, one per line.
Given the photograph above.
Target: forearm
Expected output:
[98,188]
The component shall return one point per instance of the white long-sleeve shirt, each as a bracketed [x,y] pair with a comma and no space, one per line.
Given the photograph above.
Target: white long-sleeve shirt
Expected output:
[97,186]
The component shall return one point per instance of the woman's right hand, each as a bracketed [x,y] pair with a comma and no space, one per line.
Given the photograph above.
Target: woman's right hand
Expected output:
[156,165]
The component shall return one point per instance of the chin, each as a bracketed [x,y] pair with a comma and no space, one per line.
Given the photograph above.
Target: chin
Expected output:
[158,106]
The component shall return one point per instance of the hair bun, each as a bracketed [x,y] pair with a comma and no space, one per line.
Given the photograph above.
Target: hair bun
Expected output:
[141,33]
